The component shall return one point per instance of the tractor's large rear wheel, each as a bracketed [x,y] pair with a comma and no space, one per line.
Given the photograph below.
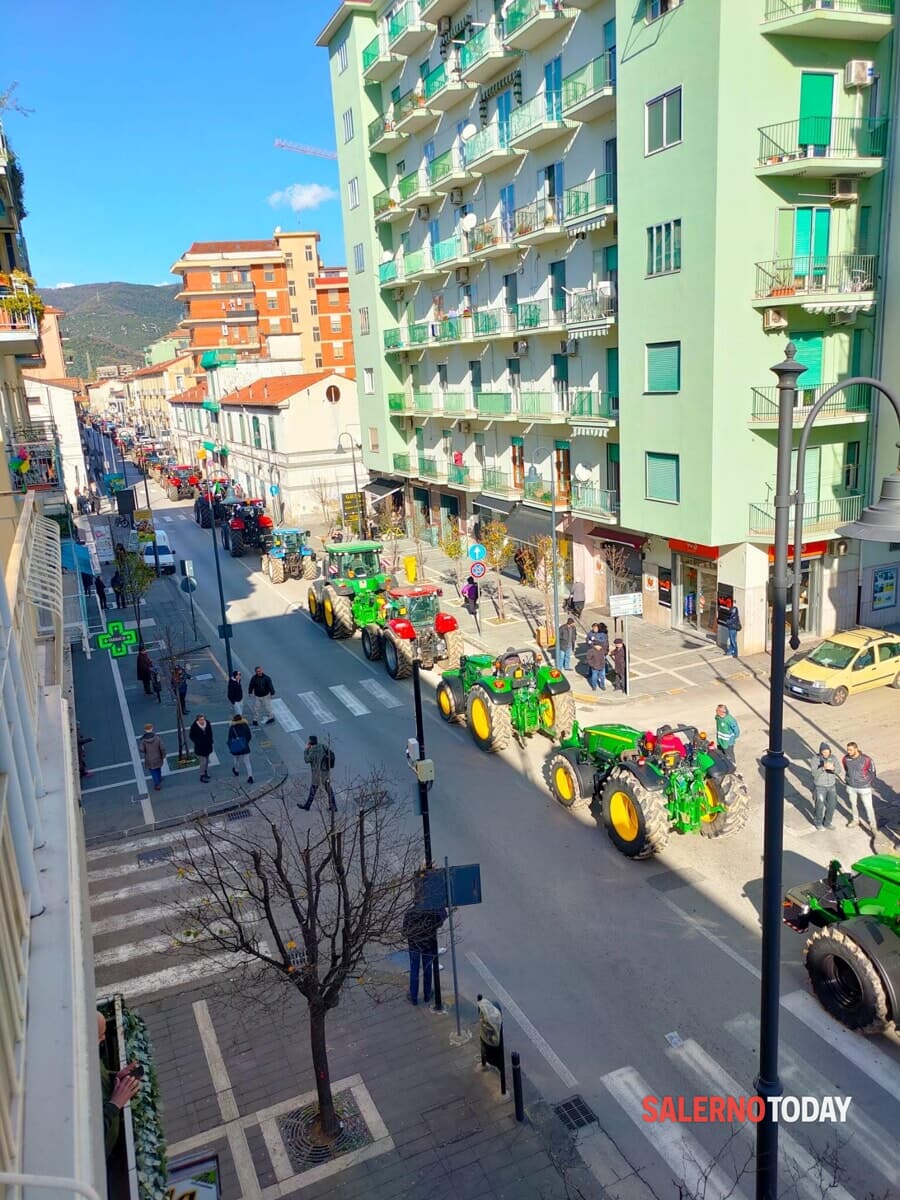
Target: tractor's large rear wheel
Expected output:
[312,603]
[172,493]
[337,613]
[236,540]
[275,568]
[730,791]
[456,647]
[205,516]
[490,724]
[636,818]
[398,656]
[446,702]
[371,642]
[571,782]
[310,568]
[557,713]
[845,981]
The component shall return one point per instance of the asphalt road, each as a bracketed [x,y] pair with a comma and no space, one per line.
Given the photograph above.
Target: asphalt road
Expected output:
[617,979]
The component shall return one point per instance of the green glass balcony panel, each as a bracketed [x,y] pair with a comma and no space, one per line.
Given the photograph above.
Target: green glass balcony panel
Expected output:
[371,53]
[392,339]
[593,404]
[537,404]
[435,81]
[458,474]
[442,166]
[484,141]
[539,490]
[595,77]
[495,480]
[428,467]
[387,272]
[487,321]
[403,18]
[476,48]
[423,402]
[401,463]
[456,401]
[409,102]
[496,404]
[382,202]
[582,199]
[449,329]
[520,12]
[414,261]
[445,251]
[396,402]
[532,314]
[419,333]
[409,185]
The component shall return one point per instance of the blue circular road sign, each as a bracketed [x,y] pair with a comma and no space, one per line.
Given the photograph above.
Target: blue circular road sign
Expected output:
[477,552]
[189,584]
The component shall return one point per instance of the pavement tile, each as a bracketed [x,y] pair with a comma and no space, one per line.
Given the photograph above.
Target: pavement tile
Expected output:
[469,1181]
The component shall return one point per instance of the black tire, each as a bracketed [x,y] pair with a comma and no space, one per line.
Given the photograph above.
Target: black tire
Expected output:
[839,696]
[371,642]
[456,648]
[398,656]
[337,613]
[310,568]
[205,517]
[313,605]
[557,713]
[275,569]
[730,791]
[236,540]
[846,982]
[636,818]
[172,493]
[489,724]
[446,702]
[571,782]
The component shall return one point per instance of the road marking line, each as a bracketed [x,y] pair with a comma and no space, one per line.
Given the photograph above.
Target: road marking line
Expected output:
[145,623]
[156,981]
[137,889]
[136,764]
[381,694]
[138,916]
[808,1178]
[712,937]
[682,1152]
[127,869]
[322,714]
[541,1044]
[285,717]
[116,955]
[106,787]
[349,701]
[147,843]
[112,766]
[864,1056]
[168,520]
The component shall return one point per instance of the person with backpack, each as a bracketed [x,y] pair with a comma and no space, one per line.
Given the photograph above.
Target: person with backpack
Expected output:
[321,763]
[733,628]
[469,593]
[420,928]
[727,731]
[859,776]
[238,741]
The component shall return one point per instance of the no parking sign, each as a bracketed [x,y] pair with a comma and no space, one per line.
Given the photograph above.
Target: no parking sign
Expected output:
[477,570]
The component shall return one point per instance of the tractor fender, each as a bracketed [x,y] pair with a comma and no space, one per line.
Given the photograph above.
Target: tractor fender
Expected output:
[591,779]
[403,629]
[642,772]
[236,523]
[882,946]
[454,683]
[445,623]
[720,765]
[343,589]
[498,697]
[555,686]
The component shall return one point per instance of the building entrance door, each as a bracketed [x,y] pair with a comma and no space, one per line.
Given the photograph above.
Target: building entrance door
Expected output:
[698,586]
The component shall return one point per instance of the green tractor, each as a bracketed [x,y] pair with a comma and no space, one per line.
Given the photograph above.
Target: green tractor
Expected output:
[349,596]
[516,694]
[853,960]
[289,556]
[649,784]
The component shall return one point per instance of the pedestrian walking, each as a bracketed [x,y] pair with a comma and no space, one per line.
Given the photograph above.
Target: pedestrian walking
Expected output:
[859,776]
[620,665]
[201,735]
[727,731]
[262,691]
[420,928]
[145,669]
[238,740]
[83,772]
[733,627]
[156,683]
[87,582]
[236,693]
[95,497]
[565,644]
[575,601]
[153,753]
[117,583]
[321,763]
[596,665]
[469,592]
[824,777]
[520,561]
[180,677]
[100,588]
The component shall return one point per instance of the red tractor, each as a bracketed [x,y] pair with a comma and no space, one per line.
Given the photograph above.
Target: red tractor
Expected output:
[181,483]
[409,623]
[247,528]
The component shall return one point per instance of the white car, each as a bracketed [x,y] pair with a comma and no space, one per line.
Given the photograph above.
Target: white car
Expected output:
[165,552]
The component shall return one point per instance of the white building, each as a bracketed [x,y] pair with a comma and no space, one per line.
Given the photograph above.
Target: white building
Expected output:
[51,408]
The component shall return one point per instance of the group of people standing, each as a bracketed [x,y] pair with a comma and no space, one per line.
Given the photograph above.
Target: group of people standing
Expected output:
[600,658]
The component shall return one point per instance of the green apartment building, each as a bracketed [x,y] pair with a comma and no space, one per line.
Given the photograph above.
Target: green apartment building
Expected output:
[580,234]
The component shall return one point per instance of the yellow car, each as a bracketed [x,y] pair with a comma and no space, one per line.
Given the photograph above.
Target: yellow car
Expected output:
[853,661]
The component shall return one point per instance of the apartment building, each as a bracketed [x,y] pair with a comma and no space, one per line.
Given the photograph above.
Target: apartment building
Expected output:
[148,389]
[581,234]
[335,348]
[170,345]
[302,265]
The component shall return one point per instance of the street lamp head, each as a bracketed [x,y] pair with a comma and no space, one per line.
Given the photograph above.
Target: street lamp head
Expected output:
[880,522]
[790,370]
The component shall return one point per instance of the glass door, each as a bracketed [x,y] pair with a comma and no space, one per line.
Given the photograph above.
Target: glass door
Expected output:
[504,108]
[553,89]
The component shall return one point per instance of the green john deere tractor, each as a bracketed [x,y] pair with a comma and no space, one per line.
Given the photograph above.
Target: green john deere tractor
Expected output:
[349,595]
[514,695]
[853,960]
[649,784]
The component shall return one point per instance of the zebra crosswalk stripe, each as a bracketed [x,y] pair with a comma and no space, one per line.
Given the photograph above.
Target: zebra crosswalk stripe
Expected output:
[136,889]
[349,701]
[322,714]
[152,842]
[189,972]
[381,694]
[285,717]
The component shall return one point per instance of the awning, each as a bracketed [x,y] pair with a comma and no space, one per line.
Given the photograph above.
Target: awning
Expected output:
[597,222]
[496,505]
[839,306]
[585,331]
[528,524]
[592,431]
[605,534]
[379,488]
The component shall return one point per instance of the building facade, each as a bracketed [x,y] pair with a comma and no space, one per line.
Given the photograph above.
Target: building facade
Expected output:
[580,235]
[164,349]
[335,348]
[148,391]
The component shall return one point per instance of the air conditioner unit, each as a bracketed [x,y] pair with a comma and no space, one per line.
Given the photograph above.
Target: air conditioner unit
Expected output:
[844,188]
[569,347]
[456,195]
[859,72]
[462,274]
[843,318]
[443,26]
[424,212]
[520,346]
[464,426]
[773,319]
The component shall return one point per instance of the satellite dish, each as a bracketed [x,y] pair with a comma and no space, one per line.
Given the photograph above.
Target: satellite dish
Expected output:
[468,131]
[387,256]
[468,222]
[582,474]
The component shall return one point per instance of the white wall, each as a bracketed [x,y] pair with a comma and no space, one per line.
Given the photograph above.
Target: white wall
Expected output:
[57,404]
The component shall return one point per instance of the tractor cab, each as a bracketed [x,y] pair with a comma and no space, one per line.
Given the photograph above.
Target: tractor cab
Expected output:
[418,604]
[353,560]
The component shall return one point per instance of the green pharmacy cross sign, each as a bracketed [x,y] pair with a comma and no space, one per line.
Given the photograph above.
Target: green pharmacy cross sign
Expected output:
[117,639]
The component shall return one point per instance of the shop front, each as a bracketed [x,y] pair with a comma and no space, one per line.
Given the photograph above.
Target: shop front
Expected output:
[809,608]
[696,570]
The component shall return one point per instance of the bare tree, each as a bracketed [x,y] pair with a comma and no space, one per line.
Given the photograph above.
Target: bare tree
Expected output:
[538,566]
[453,543]
[305,909]
[498,551]
[621,577]
[9,103]
[137,577]
[323,491]
[390,530]
[175,666]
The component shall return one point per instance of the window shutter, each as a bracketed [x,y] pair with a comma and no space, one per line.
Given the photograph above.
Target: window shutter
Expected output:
[664,367]
[662,477]
[809,353]
[612,452]
[612,370]
[611,253]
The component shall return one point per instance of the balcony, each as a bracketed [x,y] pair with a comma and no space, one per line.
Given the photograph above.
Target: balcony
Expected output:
[417,264]
[488,150]
[403,465]
[412,112]
[819,516]
[444,88]
[491,239]
[589,204]
[528,23]
[540,316]
[539,222]
[850,406]
[399,404]
[493,404]
[378,61]
[600,408]
[406,30]
[448,171]
[538,122]
[822,147]
[591,312]
[484,56]
[541,406]
[595,501]
[501,483]
[847,20]
[493,322]
[386,207]
[538,491]
[819,283]
[458,404]
[429,468]
[35,448]
[449,253]
[20,308]
[590,92]
[393,340]
[452,329]
[425,402]
[384,134]
[416,189]
[462,476]
[431,10]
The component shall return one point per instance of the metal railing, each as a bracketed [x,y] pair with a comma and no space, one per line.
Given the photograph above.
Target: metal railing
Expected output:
[410,184]
[540,405]
[387,272]
[775,9]
[520,13]
[402,464]
[597,405]
[853,400]
[451,162]
[596,76]
[539,491]
[814,274]
[231,285]
[486,141]
[385,201]
[545,109]
[542,214]
[13,969]
[381,125]
[500,482]
[540,314]
[452,329]
[410,102]
[819,516]
[585,308]
[33,458]
[589,498]
[485,41]
[429,468]
[446,251]
[582,199]
[435,81]
[493,404]
[404,17]
[497,232]
[823,137]
[488,321]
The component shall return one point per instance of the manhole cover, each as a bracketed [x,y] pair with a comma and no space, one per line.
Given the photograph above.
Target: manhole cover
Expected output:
[239,814]
[300,1135]
[148,857]
[575,1114]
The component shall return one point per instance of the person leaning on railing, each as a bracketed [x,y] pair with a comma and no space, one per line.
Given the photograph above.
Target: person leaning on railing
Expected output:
[118,1089]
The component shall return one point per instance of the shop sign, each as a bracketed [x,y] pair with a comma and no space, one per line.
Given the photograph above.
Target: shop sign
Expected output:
[694,549]
[665,587]
[143,523]
[631,604]
[807,550]
[352,505]
[724,602]
[884,588]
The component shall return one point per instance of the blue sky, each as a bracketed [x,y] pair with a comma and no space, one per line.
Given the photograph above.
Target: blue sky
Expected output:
[153,127]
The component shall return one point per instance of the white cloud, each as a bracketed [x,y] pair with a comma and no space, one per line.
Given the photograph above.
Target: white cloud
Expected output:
[65,285]
[166,283]
[302,196]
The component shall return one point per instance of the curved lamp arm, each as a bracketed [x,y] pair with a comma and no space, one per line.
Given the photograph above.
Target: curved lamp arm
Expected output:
[798,499]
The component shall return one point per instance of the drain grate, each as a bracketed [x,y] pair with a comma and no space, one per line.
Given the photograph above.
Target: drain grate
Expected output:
[575,1114]
[148,857]
[239,814]
[303,1144]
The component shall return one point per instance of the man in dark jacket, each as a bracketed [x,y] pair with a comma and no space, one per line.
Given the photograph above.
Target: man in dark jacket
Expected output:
[859,775]
[733,626]
[236,693]
[620,665]
[420,930]
[565,644]
[319,759]
[824,778]
[596,665]
[262,691]
[201,735]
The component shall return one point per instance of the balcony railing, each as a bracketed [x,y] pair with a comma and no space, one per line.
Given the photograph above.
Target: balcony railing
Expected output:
[415,261]
[446,251]
[398,403]
[457,402]
[486,141]
[393,339]
[814,274]
[231,285]
[420,333]
[435,81]
[409,184]
[402,464]
[429,468]
[540,492]
[776,9]
[500,482]
[485,41]
[387,272]
[540,405]
[371,53]
[595,77]
[819,516]
[853,401]
[452,329]
[493,404]
[539,314]
[412,101]
[542,214]
[489,321]
[446,166]
[586,308]
[594,195]
[593,406]
[823,137]
[33,456]
[424,402]
[541,110]
[492,233]
[462,475]
[403,19]
[384,201]
[587,497]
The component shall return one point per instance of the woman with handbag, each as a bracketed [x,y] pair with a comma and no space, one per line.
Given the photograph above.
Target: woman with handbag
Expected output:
[239,738]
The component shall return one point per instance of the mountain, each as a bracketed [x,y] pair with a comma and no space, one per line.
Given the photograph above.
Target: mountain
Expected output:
[113,322]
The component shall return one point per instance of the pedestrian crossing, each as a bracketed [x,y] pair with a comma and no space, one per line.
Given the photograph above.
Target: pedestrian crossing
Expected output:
[339,701]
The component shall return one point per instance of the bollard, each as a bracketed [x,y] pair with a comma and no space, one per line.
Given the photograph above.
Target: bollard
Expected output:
[517,1086]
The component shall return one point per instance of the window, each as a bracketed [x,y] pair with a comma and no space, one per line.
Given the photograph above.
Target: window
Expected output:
[353,192]
[364,321]
[224,329]
[317,336]
[314,307]
[334,296]
[269,274]
[342,58]
[295,316]
[663,481]
[359,258]
[271,303]
[664,248]
[663,367]
[851,466]
[257,438]
[292,288]
[336,324]
[318,360]
[289,260]
[369,381]
[347,120]
[310,281]
[338,348]
[658,8]
[373,439]
[664,121]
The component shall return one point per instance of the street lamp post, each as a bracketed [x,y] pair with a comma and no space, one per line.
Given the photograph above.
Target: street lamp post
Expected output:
[880,522]
[353,448]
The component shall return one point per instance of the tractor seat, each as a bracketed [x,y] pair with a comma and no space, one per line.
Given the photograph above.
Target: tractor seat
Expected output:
[510,667]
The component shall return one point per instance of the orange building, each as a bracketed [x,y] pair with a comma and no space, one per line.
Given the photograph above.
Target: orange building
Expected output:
[335,342]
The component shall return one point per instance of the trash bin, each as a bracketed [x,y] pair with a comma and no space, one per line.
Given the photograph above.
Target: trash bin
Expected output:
[409,566]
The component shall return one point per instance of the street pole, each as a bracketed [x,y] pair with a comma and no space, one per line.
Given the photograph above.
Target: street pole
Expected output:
[426,816]
[359,512]
[554,558]
[155,547]
[226,632]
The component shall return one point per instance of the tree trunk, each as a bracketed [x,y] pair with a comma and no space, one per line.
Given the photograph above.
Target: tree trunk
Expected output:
[500,612]
[328,1119]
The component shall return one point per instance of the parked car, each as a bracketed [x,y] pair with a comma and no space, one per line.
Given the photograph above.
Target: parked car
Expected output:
[145,549]
[853,661]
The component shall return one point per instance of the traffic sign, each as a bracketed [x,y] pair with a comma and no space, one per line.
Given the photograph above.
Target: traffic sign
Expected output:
[189,584]
[187,567]
[478,570]
[225,631]
[477,552]
[274,489]
[630,604]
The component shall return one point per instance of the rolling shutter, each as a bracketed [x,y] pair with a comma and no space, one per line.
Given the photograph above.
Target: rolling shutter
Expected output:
[664,367]
[662,477]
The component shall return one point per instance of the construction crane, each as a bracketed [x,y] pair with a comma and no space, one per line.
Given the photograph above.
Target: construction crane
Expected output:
[297,148]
